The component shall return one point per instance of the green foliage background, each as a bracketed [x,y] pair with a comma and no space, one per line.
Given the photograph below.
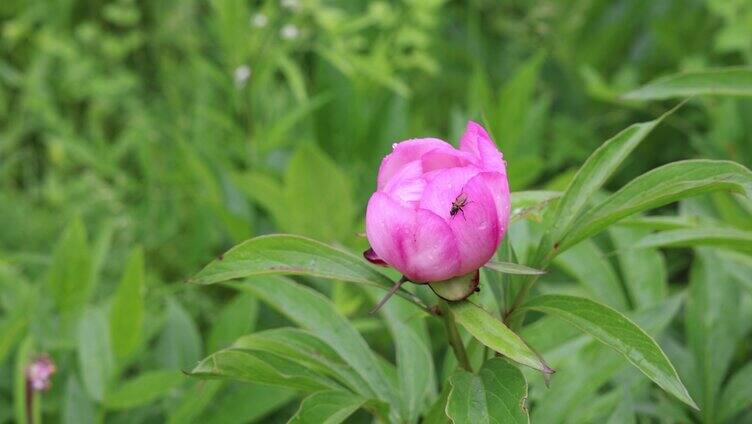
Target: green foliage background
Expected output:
[133,151]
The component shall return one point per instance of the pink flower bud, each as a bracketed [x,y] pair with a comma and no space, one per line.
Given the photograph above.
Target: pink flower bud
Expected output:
[439,212]
[39,372]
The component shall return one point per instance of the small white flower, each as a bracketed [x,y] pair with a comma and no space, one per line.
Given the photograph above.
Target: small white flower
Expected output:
[259,20]
[289,32]
[241,75]
[290,4]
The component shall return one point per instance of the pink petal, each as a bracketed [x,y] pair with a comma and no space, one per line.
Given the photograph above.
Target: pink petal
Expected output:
[404,153]
[446,158]
[476,227]
[477,142]
[417,243]
[499,186]
[444,187]
[407,185]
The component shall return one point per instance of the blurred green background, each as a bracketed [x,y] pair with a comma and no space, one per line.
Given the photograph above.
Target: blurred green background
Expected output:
[140,139]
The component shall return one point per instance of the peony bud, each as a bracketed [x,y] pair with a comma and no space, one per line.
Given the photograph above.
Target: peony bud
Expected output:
[439,212]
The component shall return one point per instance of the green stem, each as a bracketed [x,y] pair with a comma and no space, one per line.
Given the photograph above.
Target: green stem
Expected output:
[453,335]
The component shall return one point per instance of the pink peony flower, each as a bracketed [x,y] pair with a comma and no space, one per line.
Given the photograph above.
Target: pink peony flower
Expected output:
[439,212]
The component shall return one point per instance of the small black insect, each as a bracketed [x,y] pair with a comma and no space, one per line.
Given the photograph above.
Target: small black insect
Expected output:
[457,206]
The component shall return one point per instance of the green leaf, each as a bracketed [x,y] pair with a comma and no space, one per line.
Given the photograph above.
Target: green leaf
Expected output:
[306,349]
[644,271]
[70,276]
[232,406]
[127,310]
[77,407]
[587,264]
[179,344]
[596,170]
[415,367]
[262,368]
[715,82]
[437,412]
[727,238]
[143,389]
[711,326]
[532,198]
[617,331]
[265,191]
[494,334]
[735,396]
[327,407]
[196,400]
[289,254]
[584,365]
[235,319]
[515,102]
[496,395]
[512,268]
[318,196]
[659,187]
[310,309]
[530,203]
[95,358]
[23,357]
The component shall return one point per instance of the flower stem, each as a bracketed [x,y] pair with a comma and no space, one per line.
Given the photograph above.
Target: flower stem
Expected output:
[453,335]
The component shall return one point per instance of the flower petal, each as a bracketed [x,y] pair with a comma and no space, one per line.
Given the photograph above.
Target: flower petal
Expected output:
[499,187]
[476,228]
[407,185]
[417,243]
[476,141]
[404,153]
[444,157]
[444,187]
[476,225]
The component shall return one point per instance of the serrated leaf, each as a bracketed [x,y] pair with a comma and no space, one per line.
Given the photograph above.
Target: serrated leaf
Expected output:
[127,310]
[327,407]
[727,238]
[494,334]
[512,268]
[716,82]
[143,389]
[496,395]
[289,254]
[659,187]
[617,331]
